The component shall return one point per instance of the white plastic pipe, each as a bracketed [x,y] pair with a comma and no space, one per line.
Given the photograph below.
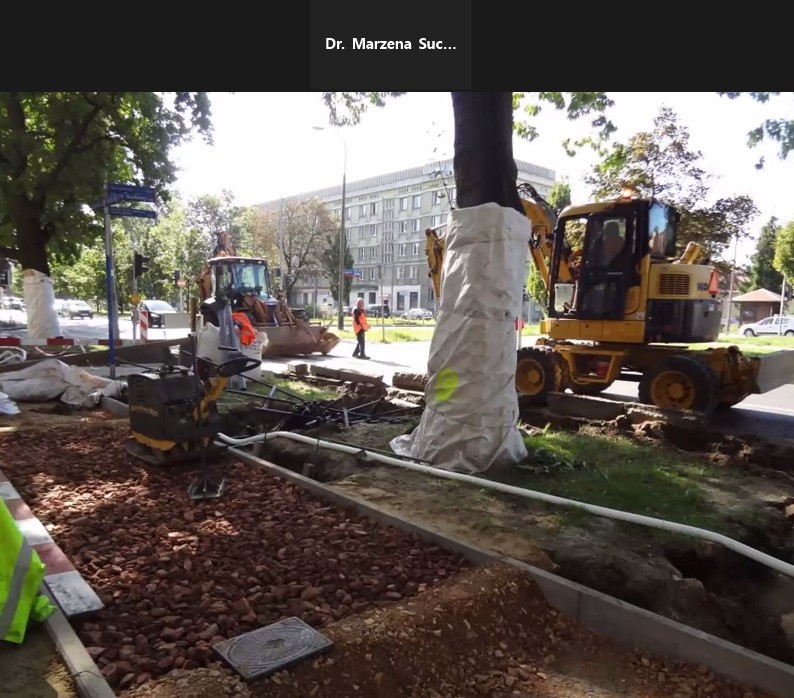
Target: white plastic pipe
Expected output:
[730,543]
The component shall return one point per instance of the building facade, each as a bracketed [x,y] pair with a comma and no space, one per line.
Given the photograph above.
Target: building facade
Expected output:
[385,222]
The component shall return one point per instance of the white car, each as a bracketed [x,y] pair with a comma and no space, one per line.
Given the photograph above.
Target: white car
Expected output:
[417,314]
[769,326]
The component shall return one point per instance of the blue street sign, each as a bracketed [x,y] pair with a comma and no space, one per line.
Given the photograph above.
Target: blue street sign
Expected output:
[134,212]
[131,192]
[353,273]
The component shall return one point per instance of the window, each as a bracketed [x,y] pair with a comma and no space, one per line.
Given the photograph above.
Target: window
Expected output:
[361,254]
[401,249]
[362,233]
[438,197]
[414,299]
[404,203]
[348,212]
[412,272]
[388,204]
[372,298]
[400,272]
[661,229]
[373,209]
[371,273]
[418,201]
[388,226]
[305,298]
[387,258]
[337,212]
[453,196]
[362,211]
[415,224]
[373,231]
[768,321]
[400,300]
[373,252]
[388,237]
[415,250]
[436,221]
[347,235]
[402,226]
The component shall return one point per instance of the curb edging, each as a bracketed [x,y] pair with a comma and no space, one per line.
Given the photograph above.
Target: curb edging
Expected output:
[626,624]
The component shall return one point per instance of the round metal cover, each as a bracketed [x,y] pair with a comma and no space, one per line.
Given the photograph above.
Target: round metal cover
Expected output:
[267,650]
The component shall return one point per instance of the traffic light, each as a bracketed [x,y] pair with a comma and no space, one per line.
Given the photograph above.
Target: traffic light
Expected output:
[177,276]
[141,264]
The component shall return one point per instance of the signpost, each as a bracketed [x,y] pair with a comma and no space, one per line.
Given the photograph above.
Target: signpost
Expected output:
[115,193]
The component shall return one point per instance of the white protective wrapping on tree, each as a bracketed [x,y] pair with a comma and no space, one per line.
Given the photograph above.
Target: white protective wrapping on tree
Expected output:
[469,422]
[52,379]
[39,294]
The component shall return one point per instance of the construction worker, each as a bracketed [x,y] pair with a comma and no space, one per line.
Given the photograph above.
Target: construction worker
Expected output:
[21,575]
[360,327]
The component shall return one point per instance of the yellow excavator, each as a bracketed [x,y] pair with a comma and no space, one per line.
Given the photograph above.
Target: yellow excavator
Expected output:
[622,304]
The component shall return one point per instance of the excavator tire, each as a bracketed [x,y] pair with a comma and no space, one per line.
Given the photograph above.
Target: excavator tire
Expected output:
[538,373]
[680,382]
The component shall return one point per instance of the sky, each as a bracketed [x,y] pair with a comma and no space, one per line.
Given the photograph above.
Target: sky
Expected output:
[266,145]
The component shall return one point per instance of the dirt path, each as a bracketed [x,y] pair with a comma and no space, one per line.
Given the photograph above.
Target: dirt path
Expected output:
[34,669]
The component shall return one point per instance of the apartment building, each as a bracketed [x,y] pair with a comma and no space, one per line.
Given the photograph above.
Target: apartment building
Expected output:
[385,220]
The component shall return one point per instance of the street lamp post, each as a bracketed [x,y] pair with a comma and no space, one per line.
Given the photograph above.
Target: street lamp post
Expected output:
[341,316]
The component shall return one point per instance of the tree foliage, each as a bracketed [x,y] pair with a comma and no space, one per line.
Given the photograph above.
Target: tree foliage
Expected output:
[560,196]
[784,252]
[329,263]
[763,273]
[781,131]
[660,163]
[57,150]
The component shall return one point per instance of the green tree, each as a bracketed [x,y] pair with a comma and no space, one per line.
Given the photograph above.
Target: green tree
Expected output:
[784,252]
[329,263]
[537,289]
[560,196]
[660,163]
[763,273]
[57,150]
[780,131]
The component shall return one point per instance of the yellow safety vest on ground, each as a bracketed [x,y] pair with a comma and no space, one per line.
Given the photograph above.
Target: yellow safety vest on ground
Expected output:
[21,576]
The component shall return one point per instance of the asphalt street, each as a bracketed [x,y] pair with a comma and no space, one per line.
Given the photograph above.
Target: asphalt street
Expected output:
[770,414]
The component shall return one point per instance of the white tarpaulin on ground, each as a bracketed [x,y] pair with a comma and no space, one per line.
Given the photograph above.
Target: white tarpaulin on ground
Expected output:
[52,379]
[469,422]
[39,294]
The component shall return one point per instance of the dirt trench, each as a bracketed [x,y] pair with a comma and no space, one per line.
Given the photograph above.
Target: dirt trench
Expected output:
[700,584]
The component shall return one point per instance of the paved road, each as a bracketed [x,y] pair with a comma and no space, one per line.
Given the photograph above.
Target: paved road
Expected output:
[770,414]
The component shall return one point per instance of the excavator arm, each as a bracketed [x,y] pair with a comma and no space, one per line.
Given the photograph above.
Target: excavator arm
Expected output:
[543,220]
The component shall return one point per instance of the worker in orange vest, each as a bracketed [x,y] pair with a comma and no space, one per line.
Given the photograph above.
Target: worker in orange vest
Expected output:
[360,327]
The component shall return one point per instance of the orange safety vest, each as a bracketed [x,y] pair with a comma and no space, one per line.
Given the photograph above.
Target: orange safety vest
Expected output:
[247,331]
[363,325]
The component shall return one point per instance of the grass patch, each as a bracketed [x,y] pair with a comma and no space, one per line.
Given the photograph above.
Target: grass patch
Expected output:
[298,389]
[612,471]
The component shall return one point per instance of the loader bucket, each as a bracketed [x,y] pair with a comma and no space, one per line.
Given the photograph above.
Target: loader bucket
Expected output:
[773,370]
[289,340]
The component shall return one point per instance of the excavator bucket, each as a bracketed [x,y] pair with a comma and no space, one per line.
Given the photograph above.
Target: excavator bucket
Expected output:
[298,341]
[773,371]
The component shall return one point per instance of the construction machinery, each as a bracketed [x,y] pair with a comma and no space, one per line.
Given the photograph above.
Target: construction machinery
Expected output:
[248,281]
[622,304]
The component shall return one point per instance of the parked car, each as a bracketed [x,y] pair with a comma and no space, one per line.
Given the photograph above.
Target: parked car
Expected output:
[156,310]
[74,308]
[376,310]
[770,325]
[417,314]
[15,303]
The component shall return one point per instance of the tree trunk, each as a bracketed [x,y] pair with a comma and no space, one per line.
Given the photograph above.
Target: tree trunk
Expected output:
[37,287]
[485,171]
[470,421]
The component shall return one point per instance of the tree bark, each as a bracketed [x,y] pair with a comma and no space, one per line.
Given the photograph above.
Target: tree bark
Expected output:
[30,234]
[485,171]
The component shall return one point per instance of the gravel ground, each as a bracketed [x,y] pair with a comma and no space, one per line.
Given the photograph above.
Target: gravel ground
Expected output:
[178,576]
[488,632]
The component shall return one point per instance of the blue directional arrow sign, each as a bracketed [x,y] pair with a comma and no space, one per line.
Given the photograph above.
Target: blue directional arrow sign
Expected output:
[134,212]
[131,192]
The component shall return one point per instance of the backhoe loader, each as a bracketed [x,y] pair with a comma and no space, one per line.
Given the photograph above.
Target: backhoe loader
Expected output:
[248,280]
[623,305]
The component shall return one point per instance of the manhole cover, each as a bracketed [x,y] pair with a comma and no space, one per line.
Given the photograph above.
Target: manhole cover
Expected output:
[270,649]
